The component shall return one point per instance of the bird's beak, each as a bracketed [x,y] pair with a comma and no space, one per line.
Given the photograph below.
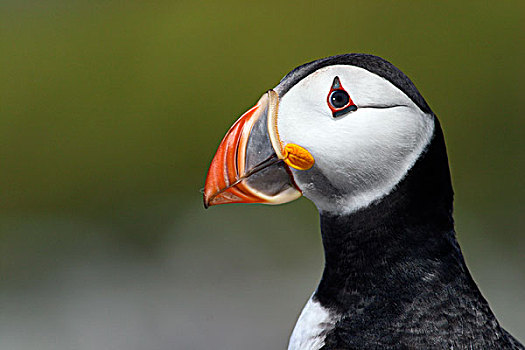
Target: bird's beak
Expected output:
[251,165]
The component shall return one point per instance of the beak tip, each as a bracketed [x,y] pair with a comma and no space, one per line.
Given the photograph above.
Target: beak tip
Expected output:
[206,201]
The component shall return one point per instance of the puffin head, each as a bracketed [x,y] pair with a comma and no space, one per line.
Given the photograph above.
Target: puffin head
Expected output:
[343,131]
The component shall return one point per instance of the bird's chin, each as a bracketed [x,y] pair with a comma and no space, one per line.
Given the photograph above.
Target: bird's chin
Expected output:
[248,166]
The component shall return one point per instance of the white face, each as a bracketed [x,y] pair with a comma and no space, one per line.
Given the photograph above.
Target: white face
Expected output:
[359,156]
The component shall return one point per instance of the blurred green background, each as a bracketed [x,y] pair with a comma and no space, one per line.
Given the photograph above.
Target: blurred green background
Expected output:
[111,111]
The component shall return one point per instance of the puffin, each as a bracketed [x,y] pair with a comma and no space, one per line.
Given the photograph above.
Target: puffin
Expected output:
[353,134]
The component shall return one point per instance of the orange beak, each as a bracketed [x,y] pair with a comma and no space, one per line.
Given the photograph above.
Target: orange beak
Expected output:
[246,167]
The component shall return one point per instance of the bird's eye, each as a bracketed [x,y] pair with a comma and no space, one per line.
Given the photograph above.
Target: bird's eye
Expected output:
[339,100]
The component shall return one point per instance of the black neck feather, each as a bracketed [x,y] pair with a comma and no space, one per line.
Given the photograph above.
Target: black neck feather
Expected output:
[395,266]
[413,221]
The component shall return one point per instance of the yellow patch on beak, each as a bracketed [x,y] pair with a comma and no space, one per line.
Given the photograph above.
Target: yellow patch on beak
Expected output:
[297,157]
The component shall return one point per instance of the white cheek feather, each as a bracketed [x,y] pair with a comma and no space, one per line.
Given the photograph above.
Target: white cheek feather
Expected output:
[311,328]
[363,154]
[380,177]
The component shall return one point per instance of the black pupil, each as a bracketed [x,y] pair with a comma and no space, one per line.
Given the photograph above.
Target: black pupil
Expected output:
[339,98]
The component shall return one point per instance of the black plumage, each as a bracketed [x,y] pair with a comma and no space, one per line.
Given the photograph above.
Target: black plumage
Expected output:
[394,272]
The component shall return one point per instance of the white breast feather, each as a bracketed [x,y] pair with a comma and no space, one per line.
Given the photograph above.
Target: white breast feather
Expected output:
[311,328]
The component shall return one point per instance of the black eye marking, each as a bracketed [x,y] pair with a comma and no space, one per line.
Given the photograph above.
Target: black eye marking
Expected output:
[339,101]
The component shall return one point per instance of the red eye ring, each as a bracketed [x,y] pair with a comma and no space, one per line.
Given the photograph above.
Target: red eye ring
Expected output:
[339,101]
